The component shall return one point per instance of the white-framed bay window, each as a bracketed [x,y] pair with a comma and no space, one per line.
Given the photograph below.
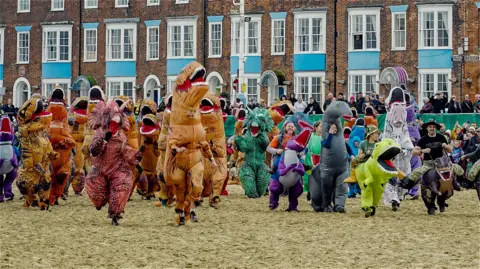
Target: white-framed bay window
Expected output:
[170,83]
[153,3]
[434,26]
[121,3]
[310,32]
[2,43]
[182,37]
[49,84]
[252,36]
[91,4]
[278,36]
[363,81]
[399,30]
[23,47]
[121,41]
[58,5]
[432,81]
[252,93]
[23,6]
[57,43]
[153,43]
[364,29]
[310,84]
[117,86]
[90,46]
[215,39]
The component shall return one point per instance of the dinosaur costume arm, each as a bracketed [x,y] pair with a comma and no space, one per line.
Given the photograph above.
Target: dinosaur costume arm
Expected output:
[241,144]
[263,143]
[207,152]
[98,143]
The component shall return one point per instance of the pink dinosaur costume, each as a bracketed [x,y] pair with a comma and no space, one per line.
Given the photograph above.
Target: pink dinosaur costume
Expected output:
[111,179]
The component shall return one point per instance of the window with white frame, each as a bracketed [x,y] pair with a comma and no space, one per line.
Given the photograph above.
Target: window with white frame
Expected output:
[2,32]
[49,84]
[399,31]
[253,93]
[171,83]
[57,43]
[310,32]
[23,6]
[182,2]
[153,2]
[91,3]
[182,38]
[364,29]
[434,81]
[215,35]
[309,84]
[435,26]
[23,47]
[252,36]
[121,3]
[58,5]
[117,86]
[278,37]
[362,81]
[153,43]
[90,45]
[121,41]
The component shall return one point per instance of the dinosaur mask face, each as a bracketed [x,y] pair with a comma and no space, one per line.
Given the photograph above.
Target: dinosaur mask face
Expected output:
[279,110]
[254,129]
[79,110]
[338,109]
[149,126]
[384,153]
[443,167]
[57,105]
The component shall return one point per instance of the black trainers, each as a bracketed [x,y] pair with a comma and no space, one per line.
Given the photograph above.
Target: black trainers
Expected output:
[431,211]
[395,205]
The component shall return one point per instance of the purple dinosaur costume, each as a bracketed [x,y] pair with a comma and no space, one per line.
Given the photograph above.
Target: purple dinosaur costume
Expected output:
[8,160]
[290,171]
[414,132]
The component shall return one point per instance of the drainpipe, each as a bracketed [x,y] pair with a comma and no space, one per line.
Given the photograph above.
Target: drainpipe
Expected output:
[80,39]
[335,68]
[205,38]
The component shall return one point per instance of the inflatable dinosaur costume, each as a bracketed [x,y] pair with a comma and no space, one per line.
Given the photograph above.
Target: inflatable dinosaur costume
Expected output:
[62,143]
[254,173]
[326,185]
[278,112]
[238,157]
[373,174]
[34,179]
[132,132]
[77,131]
[8,159]
[212,120]
[184,167]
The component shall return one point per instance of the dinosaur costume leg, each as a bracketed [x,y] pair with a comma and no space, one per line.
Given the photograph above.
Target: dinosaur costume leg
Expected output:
[328,185]
[7,184]
[120,185]
[293,194]
[247,177]
[219,176]
[262,179]
[474,171]
[62,168]
[314,184]
[340,192]
[428,197]
[78,180]
[276,189]
[97,189]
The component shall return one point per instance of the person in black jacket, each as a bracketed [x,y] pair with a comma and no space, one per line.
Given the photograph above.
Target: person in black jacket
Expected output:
[438,102]
[467,105]
[380,106]
[328,101]
[10,110]
[360,102]
[313,108]
[453,106]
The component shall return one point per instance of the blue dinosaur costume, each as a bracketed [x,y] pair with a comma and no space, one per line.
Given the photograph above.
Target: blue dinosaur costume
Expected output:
[357,135]
[326,184]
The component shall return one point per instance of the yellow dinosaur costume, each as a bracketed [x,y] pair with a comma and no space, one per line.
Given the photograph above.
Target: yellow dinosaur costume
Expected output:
[212,121]
[34,179]
[95,95]
[77,131]
[62,143]
[132,133]
[148,183]
[184,167]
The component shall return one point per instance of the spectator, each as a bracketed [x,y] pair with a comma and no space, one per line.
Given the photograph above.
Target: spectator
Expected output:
[476,106]
[438,102]
[328,101]
[467,106]
[427,107]
[352,102]
[263,104]
[341,97]
[283,97]
[9,109]
[367,102]
[453,106]
[374,99]
[300,105]
[292,98]
[360,101]
[313,107]
[380,106]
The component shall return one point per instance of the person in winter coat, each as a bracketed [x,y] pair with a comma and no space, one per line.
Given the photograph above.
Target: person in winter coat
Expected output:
[438,102]
[300,105]
[467,106]
[313,107]
[380,106]
[427,106]
[453,106]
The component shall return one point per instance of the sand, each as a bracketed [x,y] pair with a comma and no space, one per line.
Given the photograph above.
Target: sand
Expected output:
[243,233]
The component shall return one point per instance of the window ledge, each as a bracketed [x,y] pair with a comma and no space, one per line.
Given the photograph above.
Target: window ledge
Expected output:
[121,60]
[180,58]
[436,48]
[91,7]
[399,49]
[89,61]
[375,50]
[278,54]
[57,10]
[215,57]
[310,52]
[23,11]
[23,63]
[152,59]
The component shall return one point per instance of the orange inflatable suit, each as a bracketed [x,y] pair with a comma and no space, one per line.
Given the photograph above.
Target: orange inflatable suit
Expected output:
[77,130]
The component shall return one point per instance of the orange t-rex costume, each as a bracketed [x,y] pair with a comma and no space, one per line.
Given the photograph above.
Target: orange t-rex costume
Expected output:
[77,130]
[132,133]
[184,167]
[237,157]
[370,117]
[62,143]
[212,120]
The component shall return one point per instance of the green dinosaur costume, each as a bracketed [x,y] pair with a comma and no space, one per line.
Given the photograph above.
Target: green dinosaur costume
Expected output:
[373,174]
[254,173]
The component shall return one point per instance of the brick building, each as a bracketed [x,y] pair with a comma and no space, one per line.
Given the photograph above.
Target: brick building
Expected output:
[136,47]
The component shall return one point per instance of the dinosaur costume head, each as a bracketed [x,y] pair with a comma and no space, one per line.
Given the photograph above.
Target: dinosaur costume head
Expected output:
[280,110]
[109,116]
[79,110]
[147,107]
[210,109]
[258,122]
[6,129]
[381,161]
[95,95]
[33,109]
[168,103]
[332,115]
[150,126]
[58,104]
[190,88]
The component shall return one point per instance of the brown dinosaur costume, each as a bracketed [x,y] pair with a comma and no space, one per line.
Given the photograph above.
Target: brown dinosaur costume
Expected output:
[77,130]
[187,141]
[62,143]
[95,95]
[132,133]
[34,179]
[148,183]
[237,157]
[212,121]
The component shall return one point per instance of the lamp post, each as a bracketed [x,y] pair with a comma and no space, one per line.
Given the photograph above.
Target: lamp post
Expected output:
[241,58]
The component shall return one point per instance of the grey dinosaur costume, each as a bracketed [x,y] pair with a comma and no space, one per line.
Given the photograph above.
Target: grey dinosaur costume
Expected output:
[326,183]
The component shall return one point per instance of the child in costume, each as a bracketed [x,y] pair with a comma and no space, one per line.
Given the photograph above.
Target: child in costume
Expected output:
[8,159]
[356,138]
[370,116]
[111,179]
